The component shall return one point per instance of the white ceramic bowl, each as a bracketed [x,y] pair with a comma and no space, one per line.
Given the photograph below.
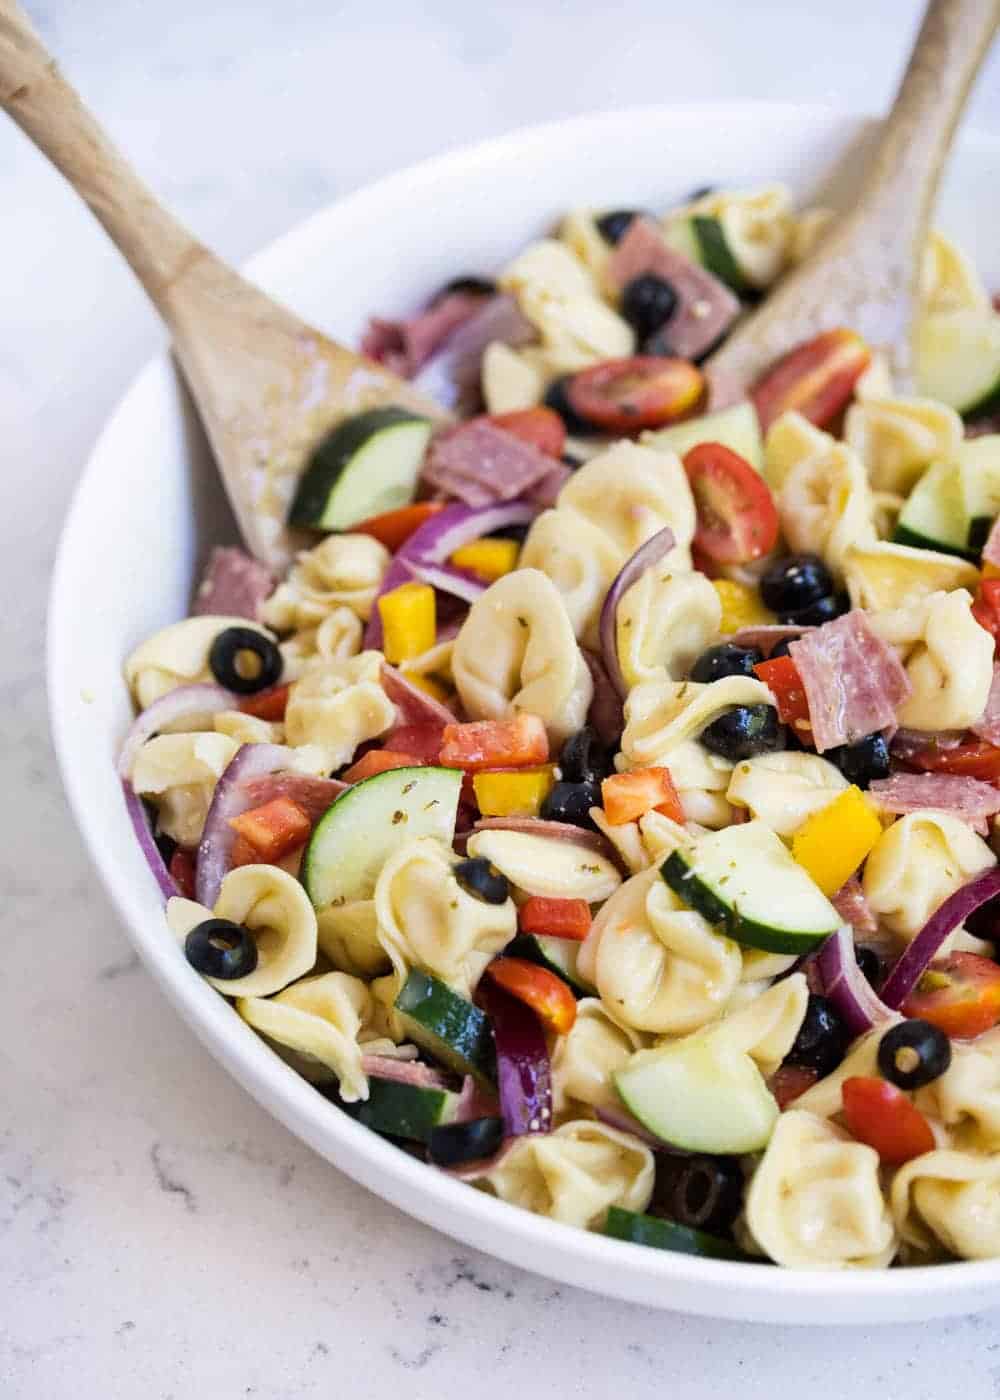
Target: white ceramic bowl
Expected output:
[148,505]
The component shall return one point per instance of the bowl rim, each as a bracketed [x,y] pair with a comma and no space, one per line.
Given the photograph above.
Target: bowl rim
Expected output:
[561,1251]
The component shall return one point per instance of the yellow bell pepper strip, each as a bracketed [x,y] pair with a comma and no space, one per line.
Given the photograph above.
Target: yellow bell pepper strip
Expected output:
[513,794]
[832,843]
[490,559]
[409,621]
[741,606]
[427,684]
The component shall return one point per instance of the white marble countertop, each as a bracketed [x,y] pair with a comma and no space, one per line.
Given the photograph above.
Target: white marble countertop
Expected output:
[160,1236]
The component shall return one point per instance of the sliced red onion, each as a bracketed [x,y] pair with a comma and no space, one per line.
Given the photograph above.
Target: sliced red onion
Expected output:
[556,831]
[845,985]
[605,714]
[524,1071]
[446,578]
[140,824]
[414,706]
[626,1122]
[451,375]
[644,558]
[945,919]
[194,704]
[767,635]
[413,1072]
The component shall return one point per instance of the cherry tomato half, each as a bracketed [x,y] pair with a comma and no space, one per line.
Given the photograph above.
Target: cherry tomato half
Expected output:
[737,517]
[548,995]
[881,1116]
[542,427]
[816,379]
[960,995]
[973,759]
[395,527]
[645,391]
[788,1082]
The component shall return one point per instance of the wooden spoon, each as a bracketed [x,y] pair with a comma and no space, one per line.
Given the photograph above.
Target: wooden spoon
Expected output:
[267,385]
[865,272]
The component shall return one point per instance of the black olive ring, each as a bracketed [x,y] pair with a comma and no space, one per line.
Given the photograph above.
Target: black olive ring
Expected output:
[224,657]
[221,949]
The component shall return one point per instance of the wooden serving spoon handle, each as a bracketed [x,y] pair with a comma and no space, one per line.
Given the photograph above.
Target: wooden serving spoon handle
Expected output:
[865,272]
[267,384]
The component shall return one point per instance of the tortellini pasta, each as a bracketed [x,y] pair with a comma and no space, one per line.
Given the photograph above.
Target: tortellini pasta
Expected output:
[664,622]
[884,576]
[660,716]
[546,865]
[790,440]
[815,1201]
[580,559]
[948,658]
[766,1028]
[177,655]
[642,843]
[826,505]
[348,935]
[326,1019]
[826,1099]
[948,280]
[757,225]
[897,439]
[581,235]
[784,789]
[180,771]
[247,729]
[341,571]
[516,652]
[632,492]
[966,1098]
[561,300]
[338,705]
[510,379]
[575,1174]
[657,965]
[916,864]
[275,908]
[951,1199]
[338,635]
[584,1060]
[427,920]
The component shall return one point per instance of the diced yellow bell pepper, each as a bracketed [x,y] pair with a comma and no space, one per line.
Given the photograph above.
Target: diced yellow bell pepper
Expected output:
[409,621]
[427,684]
[741,606]
[518,793]
[832,843]
[491,559]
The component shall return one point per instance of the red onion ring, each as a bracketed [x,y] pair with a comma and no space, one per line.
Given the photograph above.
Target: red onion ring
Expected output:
[605,713]
[414,706]
[186,702]
[845,985]
[945,919]
[644,558]
[144,835]
[445,578]
[524,1071]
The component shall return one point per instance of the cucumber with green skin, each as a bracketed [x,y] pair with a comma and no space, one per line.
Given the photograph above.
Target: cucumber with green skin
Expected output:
[957,357]
[404,1110]
[558,955]
[448,1027]
[367,465]
[737,428]
[702,238]
[656,1233]
[936,514]
[745,880]
[356,836]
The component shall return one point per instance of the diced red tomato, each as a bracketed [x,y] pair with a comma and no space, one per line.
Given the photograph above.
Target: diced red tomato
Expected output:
[421,741]
[782,678]
[182,868]
[816,379]
[542,427]
[627,796]
[380,761]
[555,918]
[644,391]
[395,527]
[960,995]
[986,607]
[520,742]
[273,829]
[973,759]
[548,995]
[791,1081]
[737,517]
[266,704]
[880,1115]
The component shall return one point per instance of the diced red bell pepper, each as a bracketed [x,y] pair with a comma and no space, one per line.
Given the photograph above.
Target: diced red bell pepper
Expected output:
[548,995]
[986,607]
[782,678]
[495,743]
[555,918]
[380,761]
[395,527]
[266,704]
[973,759]
[273,829]
[627,796]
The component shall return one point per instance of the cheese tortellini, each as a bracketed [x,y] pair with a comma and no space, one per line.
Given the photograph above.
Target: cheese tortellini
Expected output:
[516,652]
[580,559]
[948,280]
[338,635]
[178,655]
[664,622]
[951,1200]
[557,294]
[657,965]
[966,1098]
[348,936]
[826,505]
[791,439]
[179,772]
[897,439]
[784,789]
[427,920]
[584,1060]
[948,658]
[885,576]
[341,571]
[631,493]
[511,379]
[642,843]
[766,1027]
[547,866]
[815,1201]
[275,908]
[575,1174]
[338,705]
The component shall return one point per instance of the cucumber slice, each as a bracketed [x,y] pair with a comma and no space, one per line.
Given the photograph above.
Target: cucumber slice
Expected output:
[450,1028]
[737,428]
[558,955]
[699,1094]
[958,358]
[655,1233]
[367,465]
[936,514]
[404,1110]
[702,238]
[746,879]
[979,460]
[368,822]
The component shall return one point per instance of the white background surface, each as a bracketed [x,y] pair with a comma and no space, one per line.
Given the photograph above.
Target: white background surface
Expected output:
[160,1237]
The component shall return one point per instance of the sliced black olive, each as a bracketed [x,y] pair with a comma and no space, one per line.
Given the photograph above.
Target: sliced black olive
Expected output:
[557,398]
[571,802]
[795,582]
[510,532]
[726,659]
[464,1142]
[862,763]
[913,1054]
[219,948]
[482,880]
[244,660]
[470,285]
[166,845]
[823,610]
[583,758]
[985,922]
[870,964]
[648,302]
[702,1192]
[822,1040]
[745,731]
[613,225]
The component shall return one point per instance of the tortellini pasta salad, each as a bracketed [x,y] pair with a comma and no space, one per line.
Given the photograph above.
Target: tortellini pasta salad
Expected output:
[603,808]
